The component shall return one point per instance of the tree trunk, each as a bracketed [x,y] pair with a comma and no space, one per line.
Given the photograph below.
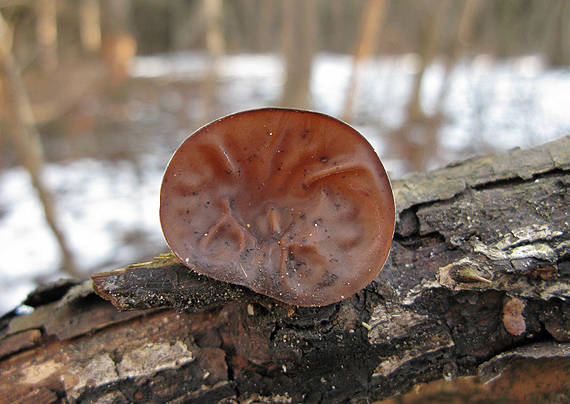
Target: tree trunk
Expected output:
[26,140]
[46,31]
[90,25]
[558,53]
[507,22]
[476,284]
[428,37]
[372,20]
[216,46]
[299,45]
[119,45]
[265,25]
[418,133]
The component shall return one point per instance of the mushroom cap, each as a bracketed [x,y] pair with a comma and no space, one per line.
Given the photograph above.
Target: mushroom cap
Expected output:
[292,204]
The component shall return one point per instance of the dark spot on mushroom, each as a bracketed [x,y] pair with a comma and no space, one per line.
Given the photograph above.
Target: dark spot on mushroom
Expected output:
[328,279]
[246,228]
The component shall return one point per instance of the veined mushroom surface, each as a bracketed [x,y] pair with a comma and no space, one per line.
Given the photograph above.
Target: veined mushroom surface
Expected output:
[292,204]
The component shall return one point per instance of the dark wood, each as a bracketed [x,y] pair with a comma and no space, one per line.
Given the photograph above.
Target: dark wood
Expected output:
[477,283]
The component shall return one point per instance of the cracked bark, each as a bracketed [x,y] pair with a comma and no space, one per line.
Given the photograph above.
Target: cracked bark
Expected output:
[476,284]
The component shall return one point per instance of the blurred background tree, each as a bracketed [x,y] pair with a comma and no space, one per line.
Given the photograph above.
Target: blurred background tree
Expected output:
[96,95]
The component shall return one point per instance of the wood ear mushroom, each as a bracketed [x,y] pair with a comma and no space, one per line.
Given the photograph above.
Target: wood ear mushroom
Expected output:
[291,204]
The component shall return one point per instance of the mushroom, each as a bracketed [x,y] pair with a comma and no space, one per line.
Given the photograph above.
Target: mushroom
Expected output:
[292,204]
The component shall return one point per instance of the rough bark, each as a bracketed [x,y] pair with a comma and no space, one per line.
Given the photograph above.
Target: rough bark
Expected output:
[476,284]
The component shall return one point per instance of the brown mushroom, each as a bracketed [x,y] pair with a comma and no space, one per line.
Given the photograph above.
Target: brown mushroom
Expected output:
[292,204]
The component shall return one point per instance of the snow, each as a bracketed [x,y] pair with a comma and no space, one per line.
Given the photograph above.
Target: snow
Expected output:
[102,205]
[98,204]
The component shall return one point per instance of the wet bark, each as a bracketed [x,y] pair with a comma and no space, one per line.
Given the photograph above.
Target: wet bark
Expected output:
[476,285]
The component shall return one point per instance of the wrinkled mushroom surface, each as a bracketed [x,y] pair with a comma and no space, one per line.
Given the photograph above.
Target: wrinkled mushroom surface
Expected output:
[292,204]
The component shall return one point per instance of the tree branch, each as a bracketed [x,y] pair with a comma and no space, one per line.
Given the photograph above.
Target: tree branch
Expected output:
[476,284]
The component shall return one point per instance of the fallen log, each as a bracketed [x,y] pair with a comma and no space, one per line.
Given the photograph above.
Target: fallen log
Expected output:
[477,284]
